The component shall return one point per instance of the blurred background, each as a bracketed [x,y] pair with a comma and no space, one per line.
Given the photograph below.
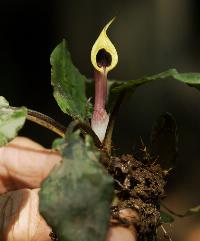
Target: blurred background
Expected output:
[151,36]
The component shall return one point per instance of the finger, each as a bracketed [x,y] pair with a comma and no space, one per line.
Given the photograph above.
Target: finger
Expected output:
[24,164]
[193,234]
[20,219]
[26,142]
[121,234]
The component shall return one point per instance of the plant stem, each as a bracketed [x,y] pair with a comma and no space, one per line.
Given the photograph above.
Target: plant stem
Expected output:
[172,212]
[87,129]
[46,122]
[57,128]
[108,137]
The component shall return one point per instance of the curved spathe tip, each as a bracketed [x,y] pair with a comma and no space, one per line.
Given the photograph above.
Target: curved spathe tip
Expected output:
[104,56]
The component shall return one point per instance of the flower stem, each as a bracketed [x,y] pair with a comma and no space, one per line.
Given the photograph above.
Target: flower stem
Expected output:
[100,90]
[100,117]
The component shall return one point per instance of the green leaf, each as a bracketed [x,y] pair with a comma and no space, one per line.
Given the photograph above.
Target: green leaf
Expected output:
[163,143]
[132,84]
[11,121]
[75,199]
[68,84]
[192,79]
[166,217]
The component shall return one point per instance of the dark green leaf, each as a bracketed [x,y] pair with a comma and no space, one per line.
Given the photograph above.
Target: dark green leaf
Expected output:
[164,140]
[90,88]
[166,217]
[11,121]
[132,84]
[75,199]
[192,79]
[68,84]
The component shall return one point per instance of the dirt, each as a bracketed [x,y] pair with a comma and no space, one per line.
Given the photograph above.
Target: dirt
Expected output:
[139,185]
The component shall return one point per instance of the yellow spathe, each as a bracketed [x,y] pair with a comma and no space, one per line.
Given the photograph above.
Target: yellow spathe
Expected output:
[103,42]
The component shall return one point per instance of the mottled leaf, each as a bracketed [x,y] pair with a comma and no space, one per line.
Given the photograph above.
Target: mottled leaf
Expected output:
[11,121]
[68,84]
[75,199]
[166,217]
[164,140]
[192,79]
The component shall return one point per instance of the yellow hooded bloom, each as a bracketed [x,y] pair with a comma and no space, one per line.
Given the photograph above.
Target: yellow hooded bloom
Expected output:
[103,54]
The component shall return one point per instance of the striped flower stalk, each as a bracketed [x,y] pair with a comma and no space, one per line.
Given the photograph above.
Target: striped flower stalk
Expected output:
[104,58]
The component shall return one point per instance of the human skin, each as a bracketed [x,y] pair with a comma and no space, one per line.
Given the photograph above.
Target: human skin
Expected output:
[24,164]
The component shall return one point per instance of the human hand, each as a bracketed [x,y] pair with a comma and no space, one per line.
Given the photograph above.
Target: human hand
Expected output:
[24,164]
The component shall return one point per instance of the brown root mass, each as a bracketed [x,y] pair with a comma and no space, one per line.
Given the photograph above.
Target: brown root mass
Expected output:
[53,236]
[139,185]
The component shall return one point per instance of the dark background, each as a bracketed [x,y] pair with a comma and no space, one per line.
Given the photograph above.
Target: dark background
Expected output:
[151,36]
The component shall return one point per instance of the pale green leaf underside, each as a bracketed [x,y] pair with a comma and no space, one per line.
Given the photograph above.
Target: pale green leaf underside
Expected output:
[75,199]
[11,121]
[68,84]
[192,79]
